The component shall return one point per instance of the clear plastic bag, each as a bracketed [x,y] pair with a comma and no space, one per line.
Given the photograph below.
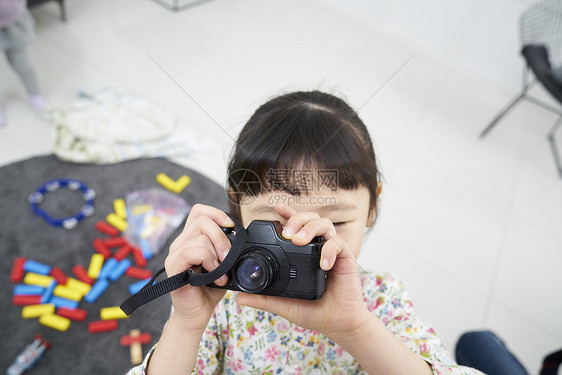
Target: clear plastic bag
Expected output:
[152,216]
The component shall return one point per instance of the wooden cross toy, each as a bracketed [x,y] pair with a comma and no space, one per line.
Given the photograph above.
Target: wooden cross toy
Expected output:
[135,339]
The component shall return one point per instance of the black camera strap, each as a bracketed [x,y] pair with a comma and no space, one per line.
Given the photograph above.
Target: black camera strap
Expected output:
[150,292]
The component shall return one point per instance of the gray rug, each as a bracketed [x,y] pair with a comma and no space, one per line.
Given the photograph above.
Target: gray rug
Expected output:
[24,234]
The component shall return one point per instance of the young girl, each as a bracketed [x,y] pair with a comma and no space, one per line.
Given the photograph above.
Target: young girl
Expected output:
[16,32]
[305,159]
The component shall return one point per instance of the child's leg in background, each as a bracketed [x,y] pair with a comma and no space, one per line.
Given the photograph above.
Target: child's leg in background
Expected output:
[19,60]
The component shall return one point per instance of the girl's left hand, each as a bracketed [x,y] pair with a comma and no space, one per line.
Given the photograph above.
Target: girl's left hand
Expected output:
[341,312]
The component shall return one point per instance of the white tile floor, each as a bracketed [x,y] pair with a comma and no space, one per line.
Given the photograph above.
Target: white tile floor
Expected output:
[472,227]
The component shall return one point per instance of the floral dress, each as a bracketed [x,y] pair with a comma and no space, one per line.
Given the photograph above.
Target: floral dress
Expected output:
[243,340]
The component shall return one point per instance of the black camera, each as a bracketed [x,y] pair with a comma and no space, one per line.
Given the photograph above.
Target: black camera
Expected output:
[271,265]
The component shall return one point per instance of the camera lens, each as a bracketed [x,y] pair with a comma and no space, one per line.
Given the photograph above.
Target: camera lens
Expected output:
[256,271]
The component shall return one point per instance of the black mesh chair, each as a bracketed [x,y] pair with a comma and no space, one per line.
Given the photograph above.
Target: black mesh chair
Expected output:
[541,40]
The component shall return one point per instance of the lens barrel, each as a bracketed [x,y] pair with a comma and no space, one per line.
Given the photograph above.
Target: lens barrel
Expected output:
[256,271]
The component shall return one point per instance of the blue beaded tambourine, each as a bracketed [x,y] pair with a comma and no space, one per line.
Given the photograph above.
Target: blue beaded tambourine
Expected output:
[67,222]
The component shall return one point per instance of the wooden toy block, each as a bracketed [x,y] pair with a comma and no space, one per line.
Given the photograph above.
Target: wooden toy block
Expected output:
[112,313]
[78,315]
[80,272]
[68,293]
[139,258]
[116,242]
[135,341]
[143,338]
[135,287]
[59,275]
[78,285]
[37,279]
[122,252]
[17,270]
[120,209]
[120,269]
[105,228]
[24,300]
[36,267]
[28,290]
[55,321]
[103,326]
[138,273]
[108,268]
[174,186]
[35,311]
[116,221]
[64,302]
[101,247]
[96,262]
[99,287]
[46,296]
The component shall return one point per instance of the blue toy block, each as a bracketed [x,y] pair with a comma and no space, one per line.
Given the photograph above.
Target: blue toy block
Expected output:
[48,292]
[97,289]
[108,268]
[145,248]
[120,269]
[36,267]
[134,288]
[28,290]
[63,302]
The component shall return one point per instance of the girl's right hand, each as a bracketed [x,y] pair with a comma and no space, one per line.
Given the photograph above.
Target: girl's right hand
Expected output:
[202,243]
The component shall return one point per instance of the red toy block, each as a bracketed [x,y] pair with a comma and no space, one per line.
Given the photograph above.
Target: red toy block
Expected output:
[81,274]
[75,314]
[100,246]
[24,300]
[138,273]
[103,326]
[122,252]
[127,340]
[139,258]
[116,242]
[105,228]
[57,273]
[17,270]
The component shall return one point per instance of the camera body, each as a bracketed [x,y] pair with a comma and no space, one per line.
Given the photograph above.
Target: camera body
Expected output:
[271,265]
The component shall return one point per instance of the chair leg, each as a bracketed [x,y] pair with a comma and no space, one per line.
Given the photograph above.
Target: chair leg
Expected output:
[502,113]
[553,145]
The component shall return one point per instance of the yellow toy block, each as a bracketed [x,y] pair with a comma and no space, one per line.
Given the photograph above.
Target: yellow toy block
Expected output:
[35,311]
[117,222]
[108,313]
[120,209]
[78,286]
[68,293]
[55,321]
[37,279]
[174,186]
[96,262]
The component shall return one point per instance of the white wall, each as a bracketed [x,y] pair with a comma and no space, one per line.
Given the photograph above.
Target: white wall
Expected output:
[471,35]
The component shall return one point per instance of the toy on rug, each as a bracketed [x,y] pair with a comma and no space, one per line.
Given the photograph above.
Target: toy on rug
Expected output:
[135,339]
[28,356]
[152,216]
[67,222]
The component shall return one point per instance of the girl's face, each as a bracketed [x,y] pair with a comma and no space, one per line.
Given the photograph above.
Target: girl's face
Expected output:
[347,209]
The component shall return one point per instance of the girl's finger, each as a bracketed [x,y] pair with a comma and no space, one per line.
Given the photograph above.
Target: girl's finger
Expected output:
[285,211]
[208,227]
[315,227]
[199,252]
[333,249]
[277,305]
[218,216]
[296,222]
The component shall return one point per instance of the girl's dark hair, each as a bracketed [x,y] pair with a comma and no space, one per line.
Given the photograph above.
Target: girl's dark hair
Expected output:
[299,141]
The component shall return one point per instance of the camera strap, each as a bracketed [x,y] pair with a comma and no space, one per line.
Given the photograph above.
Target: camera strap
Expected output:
[152,291]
